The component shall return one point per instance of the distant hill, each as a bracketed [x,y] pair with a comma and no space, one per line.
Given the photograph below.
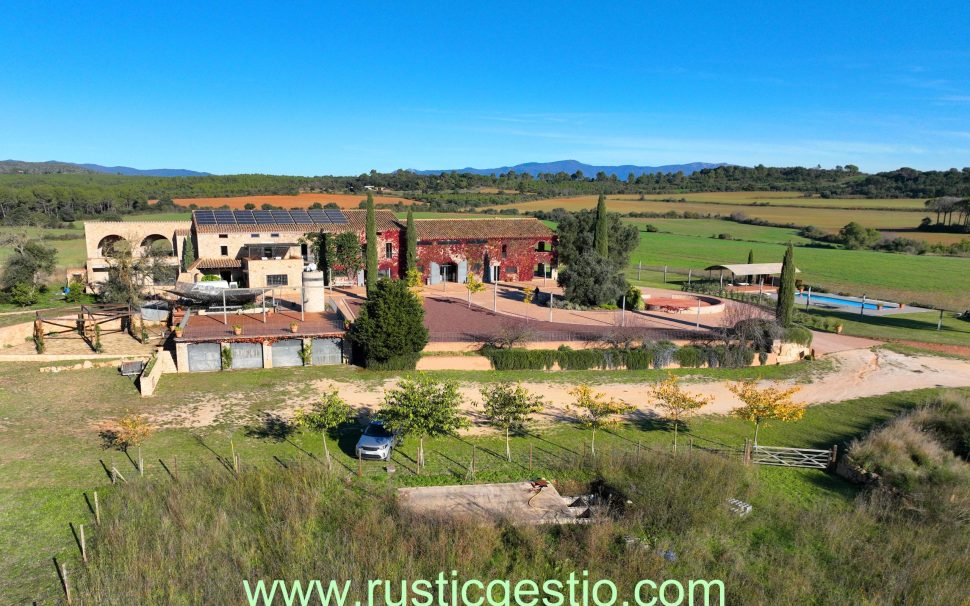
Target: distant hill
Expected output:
[571,166]
[150,172]
[53,167]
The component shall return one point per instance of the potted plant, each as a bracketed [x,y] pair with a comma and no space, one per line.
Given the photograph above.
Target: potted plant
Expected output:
[237,329]
[178,331]
[294,327]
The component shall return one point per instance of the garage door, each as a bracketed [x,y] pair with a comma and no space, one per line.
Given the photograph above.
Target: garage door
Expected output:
[247,355]
[327,351]
[205,356]
[287,353]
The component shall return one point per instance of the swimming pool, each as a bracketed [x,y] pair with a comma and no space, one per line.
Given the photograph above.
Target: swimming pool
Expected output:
[802,297]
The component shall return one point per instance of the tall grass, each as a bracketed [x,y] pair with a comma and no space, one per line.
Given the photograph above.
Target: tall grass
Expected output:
[920,458]
[194,541]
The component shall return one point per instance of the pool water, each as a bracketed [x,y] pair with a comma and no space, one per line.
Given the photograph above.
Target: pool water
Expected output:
[802,297]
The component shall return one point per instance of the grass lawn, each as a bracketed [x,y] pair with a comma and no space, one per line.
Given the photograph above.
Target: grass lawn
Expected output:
[51,453]
[903,327]
[944,281]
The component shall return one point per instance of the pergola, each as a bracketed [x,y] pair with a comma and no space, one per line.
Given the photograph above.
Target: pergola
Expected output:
[754,271]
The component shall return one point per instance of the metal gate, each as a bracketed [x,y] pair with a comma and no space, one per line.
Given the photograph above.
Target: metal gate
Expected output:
[327,351]
[792,457]
[434,275]
[247,355]
[204,356]
[287,353]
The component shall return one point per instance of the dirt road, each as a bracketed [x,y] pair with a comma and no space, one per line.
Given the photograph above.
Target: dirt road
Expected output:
[857,373]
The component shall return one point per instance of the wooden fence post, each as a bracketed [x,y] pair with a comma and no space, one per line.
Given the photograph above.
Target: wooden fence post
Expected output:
[84,547]
[97,509]
[67,586]
[834,455]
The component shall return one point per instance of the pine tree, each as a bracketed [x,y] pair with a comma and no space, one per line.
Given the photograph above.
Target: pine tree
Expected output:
[411,260]
[370,270]
[602,234]
[786,290]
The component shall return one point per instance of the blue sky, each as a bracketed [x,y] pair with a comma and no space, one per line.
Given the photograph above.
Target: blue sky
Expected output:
[320,88]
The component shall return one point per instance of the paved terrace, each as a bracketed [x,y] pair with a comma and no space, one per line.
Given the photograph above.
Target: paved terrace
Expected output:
[449,319]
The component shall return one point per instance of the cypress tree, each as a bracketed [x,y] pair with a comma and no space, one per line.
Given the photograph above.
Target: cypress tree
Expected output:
[188,253]
[411,260]
[750,261]
[785,310]
[602,233]
[370,269]
[323,258]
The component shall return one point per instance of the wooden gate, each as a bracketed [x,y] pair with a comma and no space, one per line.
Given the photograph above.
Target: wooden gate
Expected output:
[790,457]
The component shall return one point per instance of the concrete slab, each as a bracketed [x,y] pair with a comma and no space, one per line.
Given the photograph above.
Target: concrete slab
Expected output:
[518,502]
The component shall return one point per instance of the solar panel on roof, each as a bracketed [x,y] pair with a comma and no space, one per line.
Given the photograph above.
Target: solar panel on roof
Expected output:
[336,216]
[263,217]
[300,216]
[282,216]
[319,217]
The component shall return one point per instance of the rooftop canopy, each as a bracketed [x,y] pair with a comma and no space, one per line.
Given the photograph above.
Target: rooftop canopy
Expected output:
[751,269]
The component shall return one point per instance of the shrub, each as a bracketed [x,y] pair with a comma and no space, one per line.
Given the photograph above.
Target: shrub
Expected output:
[390,328]
[797,334]
[634,297]
[639,359]
[690,356]
[663,354]
[226,358]
[24,294]
[520,359]
[211,278]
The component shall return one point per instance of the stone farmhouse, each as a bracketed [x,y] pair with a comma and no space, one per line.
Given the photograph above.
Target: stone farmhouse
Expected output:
[269,249]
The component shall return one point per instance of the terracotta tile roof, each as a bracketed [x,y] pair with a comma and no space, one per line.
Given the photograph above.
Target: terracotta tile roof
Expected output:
[216,263]
[356,221]
[183,231]
[459,229]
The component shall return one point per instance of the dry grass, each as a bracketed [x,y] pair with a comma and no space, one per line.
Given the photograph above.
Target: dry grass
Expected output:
[193,542]
[920,458]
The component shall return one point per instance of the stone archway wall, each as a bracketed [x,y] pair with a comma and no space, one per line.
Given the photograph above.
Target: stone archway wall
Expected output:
[134,232]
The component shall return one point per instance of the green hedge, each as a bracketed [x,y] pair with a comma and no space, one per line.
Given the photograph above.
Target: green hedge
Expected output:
[568,359]
[690,356]
[405,362]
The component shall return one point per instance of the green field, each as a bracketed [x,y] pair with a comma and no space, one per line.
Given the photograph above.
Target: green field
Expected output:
[714,227]
[50,449]
[827,214]
[943,281]
[70,253]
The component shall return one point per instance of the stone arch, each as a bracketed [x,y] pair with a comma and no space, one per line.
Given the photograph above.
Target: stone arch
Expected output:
[110,242]
[158,242]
